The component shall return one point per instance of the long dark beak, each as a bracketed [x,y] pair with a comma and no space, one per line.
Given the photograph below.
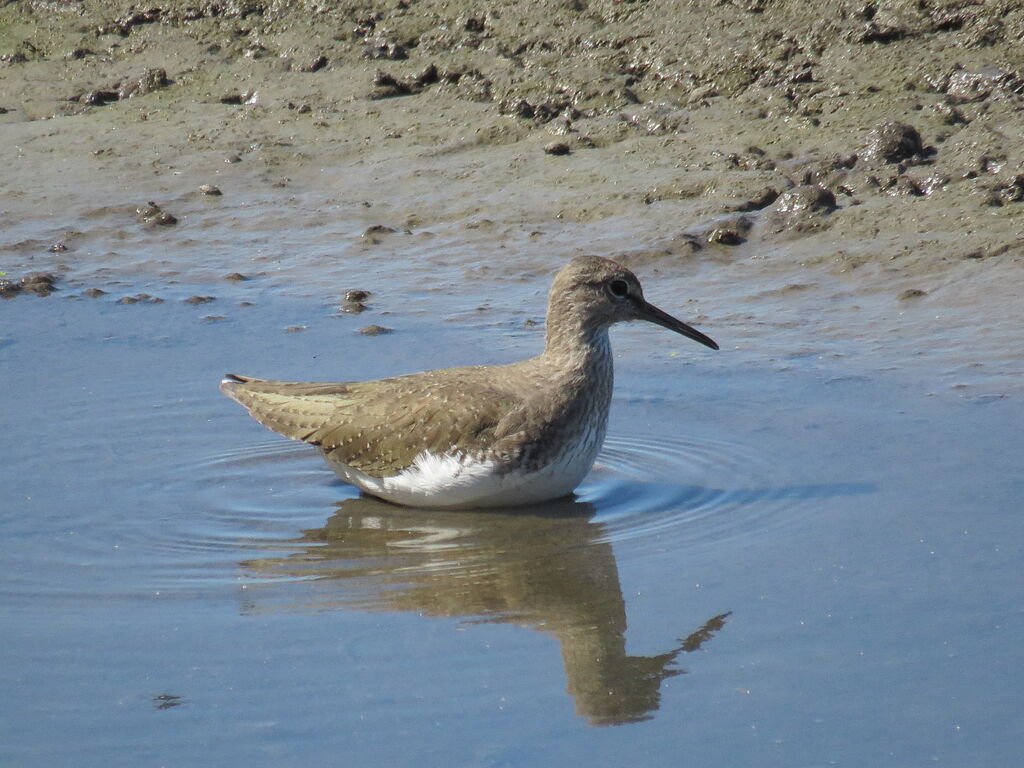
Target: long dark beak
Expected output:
[652,314]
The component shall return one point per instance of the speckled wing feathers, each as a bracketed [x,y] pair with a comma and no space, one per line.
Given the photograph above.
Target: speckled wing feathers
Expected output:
[380,427]
[292,408]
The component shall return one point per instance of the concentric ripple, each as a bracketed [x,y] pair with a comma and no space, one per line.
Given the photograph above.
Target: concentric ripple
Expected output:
[643,494]
[670,492]
[252,498]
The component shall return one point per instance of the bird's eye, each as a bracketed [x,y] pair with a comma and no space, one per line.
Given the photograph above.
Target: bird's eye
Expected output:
[618,289]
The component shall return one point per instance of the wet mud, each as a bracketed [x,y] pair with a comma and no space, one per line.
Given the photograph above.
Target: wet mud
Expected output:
[865,150]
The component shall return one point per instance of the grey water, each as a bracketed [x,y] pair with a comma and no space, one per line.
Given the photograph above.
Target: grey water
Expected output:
[769,565]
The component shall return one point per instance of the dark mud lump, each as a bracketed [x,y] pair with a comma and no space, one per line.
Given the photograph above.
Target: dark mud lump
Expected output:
[894,142]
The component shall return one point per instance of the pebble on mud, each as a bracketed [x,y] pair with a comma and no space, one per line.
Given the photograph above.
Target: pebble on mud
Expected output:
[151,213]
[194,300]
[94,293]
[209,189]
[557,148]
[236,277]
[374,330]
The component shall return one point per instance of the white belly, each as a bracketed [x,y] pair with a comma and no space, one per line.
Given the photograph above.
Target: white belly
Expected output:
[451,481]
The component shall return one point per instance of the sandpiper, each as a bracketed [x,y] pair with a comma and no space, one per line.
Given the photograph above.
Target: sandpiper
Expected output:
[476,436]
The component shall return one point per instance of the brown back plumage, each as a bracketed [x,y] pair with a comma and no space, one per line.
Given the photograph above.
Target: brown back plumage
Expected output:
[380,427]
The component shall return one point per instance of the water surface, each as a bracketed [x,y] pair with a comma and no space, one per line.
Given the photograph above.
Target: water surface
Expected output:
[781,567]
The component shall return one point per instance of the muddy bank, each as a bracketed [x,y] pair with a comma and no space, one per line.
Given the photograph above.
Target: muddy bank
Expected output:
[862,168]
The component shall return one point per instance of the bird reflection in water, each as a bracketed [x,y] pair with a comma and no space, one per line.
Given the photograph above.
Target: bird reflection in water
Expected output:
[549,568]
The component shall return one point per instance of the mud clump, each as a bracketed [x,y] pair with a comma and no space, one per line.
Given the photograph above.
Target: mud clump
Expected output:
[759,201]
[96,98]
[375,234]
[728,230]
[1010,192]
[894,142]
[123,25]
[388,86]
[140,298]
[39,283]
[557,148]
[384,49]
[149,81]
[962,86]
[153,215]
[801,209]
[810,198]
[912,293]
[725,236]
[540,111]
[315,65]
[354,301]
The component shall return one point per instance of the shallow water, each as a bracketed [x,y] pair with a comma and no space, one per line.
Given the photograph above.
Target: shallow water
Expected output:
[773,567]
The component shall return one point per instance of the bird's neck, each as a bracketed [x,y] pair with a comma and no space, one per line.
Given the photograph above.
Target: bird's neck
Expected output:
[578,347]
[577,359]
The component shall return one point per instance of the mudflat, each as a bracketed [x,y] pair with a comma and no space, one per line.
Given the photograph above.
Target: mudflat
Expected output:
[859,167]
